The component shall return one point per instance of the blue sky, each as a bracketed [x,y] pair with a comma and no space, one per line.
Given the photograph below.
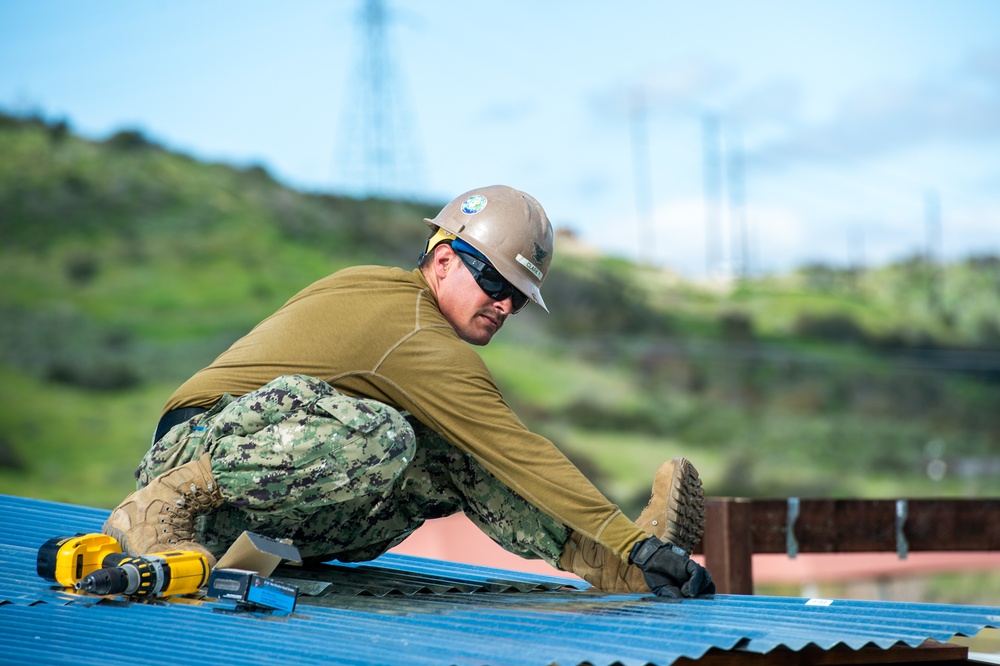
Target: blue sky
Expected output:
[849,116]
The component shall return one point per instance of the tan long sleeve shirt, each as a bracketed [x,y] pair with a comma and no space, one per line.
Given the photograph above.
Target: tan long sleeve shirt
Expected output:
[376,332]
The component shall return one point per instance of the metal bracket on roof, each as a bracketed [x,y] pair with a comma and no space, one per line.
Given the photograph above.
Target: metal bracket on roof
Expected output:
[791,543]
[902,545]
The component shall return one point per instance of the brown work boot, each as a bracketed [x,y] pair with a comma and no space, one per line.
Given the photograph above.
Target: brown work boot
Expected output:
[600,567]
[161,516]
[676,509]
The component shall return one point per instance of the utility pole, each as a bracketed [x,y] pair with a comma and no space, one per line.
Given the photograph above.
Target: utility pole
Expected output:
[855,256]
[712,189]
[856,249]
[736,175]
[932,253]
[641,173]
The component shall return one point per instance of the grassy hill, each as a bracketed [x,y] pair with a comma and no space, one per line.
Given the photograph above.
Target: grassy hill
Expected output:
[126,267]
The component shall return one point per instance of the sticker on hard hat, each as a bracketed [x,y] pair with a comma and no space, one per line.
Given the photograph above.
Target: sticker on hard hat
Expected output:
[474,204]
[540,254]
[530,266]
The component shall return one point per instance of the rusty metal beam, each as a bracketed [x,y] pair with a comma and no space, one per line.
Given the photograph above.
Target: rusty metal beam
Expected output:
[735,528]
[854,526]
[728,545]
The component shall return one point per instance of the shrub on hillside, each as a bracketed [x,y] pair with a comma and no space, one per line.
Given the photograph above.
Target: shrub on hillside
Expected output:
[63,345]
[129,139]
[9,457]
[824,277]
[82,267]
[100,374]
[736,326]
[838,328]
[596,299]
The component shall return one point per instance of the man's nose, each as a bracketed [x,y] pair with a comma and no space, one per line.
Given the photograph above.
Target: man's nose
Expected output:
[505,306]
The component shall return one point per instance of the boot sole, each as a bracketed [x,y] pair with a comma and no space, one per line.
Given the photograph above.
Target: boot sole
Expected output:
[684,522]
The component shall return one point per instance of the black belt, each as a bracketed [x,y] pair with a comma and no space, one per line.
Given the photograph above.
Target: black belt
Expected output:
[173,417]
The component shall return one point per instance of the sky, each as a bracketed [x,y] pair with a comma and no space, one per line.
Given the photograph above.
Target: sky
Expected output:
[704,137]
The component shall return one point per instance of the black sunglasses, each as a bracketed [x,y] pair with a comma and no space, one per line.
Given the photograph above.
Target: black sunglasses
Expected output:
[492,283]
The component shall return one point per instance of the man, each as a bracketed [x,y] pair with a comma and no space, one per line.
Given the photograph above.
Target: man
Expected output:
[357,411]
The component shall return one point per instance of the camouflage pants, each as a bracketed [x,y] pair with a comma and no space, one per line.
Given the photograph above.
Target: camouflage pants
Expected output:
[341,477]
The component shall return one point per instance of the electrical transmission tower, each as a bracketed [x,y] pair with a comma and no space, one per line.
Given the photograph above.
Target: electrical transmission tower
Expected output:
[728,238]
[378,148]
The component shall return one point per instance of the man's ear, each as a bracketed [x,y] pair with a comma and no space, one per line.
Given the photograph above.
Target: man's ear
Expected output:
[443,260]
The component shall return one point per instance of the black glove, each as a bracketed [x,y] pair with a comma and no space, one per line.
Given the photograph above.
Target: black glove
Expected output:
[668,570]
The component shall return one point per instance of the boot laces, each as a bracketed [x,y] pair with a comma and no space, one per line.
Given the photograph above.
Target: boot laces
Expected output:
[181,513]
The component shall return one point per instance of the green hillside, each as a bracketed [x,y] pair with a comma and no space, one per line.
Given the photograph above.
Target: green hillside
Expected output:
[126,267]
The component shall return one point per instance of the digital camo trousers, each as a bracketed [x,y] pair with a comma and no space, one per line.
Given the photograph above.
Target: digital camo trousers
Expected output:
[341,477]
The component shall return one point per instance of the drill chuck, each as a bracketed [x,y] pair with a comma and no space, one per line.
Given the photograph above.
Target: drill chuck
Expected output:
[111,580]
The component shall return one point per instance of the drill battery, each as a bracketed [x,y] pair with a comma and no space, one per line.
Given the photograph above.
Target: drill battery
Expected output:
[67,559]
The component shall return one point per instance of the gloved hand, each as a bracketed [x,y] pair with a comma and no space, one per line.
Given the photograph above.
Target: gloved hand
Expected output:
[668,570]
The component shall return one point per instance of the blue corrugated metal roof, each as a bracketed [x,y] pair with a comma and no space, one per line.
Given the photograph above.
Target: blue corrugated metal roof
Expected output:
[401,609]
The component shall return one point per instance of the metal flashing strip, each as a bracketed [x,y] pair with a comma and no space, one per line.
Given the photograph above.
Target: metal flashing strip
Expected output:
[409,575]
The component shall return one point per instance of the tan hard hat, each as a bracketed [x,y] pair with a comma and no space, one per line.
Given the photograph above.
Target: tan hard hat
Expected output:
[509,227]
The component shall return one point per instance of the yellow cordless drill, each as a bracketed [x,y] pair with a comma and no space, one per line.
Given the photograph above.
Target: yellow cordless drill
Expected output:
[154,575]
[95,563]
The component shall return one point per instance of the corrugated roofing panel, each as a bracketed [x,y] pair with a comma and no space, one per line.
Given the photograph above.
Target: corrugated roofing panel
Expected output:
[400,609]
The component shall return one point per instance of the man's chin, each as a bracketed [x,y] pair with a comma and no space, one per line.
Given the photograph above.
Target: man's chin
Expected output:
[480,337]
[482,340]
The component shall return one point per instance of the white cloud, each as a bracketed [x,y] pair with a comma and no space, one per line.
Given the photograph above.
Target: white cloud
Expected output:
[891,117]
